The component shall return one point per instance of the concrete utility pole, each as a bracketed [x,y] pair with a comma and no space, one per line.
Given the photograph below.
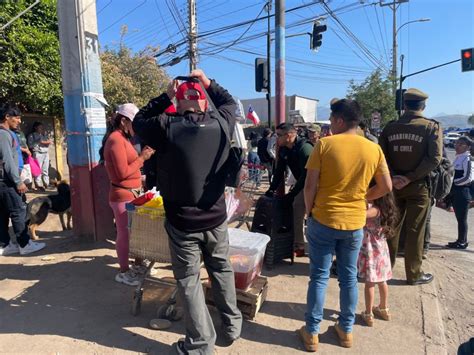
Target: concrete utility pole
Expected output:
[280,99]
[269,66]
[394,6]
[85,118]
[192,35]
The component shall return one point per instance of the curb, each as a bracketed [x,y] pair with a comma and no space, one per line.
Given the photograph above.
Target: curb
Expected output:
[433,325]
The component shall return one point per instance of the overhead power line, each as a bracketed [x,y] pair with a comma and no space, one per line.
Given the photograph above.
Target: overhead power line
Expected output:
[355,39]
[290,73]
[162,18]
[373,33]
[240,37]
[382,38]
[104,7]
[243,23]
[121,18]
[290,26]
[181,26]
[341,69]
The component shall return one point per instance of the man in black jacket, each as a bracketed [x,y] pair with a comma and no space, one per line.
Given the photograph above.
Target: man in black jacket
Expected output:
[293,153]
[191,151]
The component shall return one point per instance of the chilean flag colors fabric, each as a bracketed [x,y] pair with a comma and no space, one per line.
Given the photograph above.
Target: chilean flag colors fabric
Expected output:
[252,116]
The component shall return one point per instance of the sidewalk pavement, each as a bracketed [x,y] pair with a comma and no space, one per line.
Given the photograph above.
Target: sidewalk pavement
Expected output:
[64,300]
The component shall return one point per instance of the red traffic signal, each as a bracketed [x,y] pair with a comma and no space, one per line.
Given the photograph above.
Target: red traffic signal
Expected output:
[467,60]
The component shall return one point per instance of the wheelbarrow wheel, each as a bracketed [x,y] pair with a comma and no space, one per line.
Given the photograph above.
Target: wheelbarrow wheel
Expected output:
[137,302]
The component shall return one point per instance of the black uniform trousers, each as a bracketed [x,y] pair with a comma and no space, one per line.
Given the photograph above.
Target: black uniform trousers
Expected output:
[413,202]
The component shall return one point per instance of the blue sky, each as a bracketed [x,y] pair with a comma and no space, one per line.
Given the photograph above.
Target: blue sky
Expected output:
[322,75]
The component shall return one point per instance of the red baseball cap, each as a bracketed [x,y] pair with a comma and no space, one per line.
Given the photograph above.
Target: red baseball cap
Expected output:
[190,91]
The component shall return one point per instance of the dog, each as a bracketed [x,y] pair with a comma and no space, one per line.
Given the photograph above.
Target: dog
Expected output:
[39,208]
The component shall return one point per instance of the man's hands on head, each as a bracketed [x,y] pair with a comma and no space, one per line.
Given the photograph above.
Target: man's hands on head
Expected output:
[199,74]
[171,90]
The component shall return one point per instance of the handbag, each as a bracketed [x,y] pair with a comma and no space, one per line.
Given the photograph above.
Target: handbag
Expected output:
[34,166]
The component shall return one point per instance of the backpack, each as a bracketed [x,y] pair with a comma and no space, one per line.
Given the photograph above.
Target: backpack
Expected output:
[192,164]
[236,156]
[441,179]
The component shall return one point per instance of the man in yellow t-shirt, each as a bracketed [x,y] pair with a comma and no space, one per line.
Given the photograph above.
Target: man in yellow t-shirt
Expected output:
[336,189]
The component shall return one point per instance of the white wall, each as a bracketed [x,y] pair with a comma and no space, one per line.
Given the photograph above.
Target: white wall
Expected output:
[307,107]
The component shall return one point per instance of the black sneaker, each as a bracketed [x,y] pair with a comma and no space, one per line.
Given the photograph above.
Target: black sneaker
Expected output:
[459,245]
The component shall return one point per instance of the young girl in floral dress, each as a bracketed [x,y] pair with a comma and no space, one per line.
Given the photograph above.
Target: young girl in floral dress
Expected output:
[374,257]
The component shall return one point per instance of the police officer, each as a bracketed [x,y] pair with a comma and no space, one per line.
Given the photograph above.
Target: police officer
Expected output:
[413,148]
[314,133]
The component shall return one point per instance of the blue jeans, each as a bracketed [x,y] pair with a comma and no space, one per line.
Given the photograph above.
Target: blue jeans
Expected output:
[324,242]
[253,160]
[12,208]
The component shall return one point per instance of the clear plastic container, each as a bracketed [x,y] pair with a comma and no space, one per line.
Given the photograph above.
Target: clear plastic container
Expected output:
[246,252]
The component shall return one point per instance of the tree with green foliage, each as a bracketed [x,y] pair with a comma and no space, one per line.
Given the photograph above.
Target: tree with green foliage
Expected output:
[470,120]
[30,67]
[131,77]
[374,94]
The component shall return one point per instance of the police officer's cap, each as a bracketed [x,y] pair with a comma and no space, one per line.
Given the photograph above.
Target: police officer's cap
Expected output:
[313,127]
[414,95]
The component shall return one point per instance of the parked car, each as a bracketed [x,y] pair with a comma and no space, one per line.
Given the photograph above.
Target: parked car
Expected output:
[450,138]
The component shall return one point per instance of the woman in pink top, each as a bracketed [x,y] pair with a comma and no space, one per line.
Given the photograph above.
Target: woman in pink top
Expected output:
[123,164]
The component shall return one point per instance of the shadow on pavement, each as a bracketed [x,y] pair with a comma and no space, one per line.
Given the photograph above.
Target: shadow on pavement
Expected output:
[292,310]
[77,298]
[444,247]
[285,268]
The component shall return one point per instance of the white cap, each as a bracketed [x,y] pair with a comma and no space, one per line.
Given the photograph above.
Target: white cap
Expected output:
[128,110]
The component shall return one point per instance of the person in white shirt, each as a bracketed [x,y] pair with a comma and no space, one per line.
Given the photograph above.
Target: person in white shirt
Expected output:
[461,190]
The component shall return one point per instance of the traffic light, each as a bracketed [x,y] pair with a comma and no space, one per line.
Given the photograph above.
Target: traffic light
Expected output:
[467,60]
[261,75]
[399,99]
[316,36]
